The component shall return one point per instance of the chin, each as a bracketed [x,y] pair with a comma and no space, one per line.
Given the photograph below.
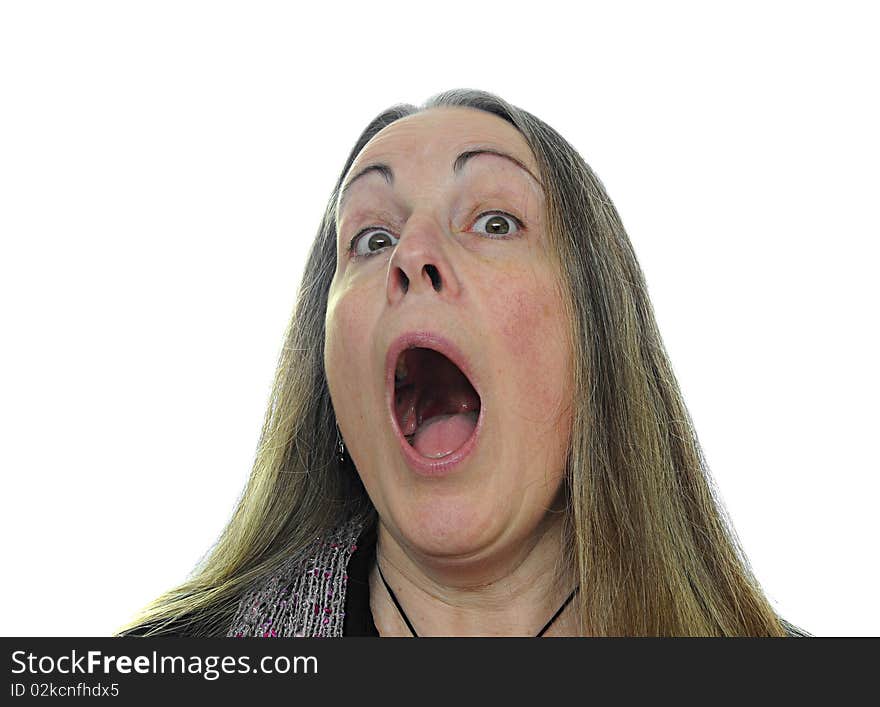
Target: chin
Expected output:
[449,528]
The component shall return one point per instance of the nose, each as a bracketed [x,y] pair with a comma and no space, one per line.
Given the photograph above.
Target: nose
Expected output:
[420,264]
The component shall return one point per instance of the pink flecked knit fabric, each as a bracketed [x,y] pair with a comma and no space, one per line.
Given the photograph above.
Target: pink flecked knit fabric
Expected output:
[307,596]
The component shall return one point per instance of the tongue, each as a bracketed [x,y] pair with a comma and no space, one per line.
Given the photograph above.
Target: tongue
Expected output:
[443,434]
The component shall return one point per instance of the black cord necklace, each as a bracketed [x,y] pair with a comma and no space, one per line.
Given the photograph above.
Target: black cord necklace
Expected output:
[415,635]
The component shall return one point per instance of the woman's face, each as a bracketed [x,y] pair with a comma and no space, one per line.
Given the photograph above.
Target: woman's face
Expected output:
[438,265]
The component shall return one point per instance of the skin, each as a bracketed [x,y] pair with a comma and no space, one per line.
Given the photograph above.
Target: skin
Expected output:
[473,552]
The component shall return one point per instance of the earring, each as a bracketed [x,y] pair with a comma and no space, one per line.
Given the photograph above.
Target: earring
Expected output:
[340,448]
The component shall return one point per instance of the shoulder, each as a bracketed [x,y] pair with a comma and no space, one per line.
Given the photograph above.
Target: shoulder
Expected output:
[179,628]
[210,623]
[794,631]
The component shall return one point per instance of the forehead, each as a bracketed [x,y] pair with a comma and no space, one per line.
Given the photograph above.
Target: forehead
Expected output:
[437,135]
[433,129]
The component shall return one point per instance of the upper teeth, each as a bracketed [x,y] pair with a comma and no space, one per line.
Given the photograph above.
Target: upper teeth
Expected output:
[400,372]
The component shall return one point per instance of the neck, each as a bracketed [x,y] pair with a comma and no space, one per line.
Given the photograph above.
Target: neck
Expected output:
[510,591]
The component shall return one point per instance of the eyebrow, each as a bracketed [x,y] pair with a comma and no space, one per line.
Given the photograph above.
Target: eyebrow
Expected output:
[457,166]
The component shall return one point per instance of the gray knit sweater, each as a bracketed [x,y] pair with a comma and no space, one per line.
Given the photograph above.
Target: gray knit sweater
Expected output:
[306,597]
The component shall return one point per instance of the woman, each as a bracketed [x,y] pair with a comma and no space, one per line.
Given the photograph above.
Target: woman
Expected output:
[474,428]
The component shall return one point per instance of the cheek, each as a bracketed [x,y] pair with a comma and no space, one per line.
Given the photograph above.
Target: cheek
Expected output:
[526,317]
[533,344]
[346,345]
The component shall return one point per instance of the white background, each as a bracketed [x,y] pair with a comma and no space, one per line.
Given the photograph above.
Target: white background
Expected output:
[163,170]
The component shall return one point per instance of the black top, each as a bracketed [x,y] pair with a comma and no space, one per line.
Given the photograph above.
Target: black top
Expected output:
[358,619]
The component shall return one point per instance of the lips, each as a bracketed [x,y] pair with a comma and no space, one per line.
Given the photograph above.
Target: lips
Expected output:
[430,340]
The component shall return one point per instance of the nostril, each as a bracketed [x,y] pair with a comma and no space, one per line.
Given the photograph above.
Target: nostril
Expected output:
[434,274]
[404,280]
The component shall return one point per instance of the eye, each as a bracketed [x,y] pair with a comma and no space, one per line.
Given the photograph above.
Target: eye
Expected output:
[373,238]
[498,224]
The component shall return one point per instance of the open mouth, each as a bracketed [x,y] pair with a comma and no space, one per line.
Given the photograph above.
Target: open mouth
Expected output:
[434,402]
